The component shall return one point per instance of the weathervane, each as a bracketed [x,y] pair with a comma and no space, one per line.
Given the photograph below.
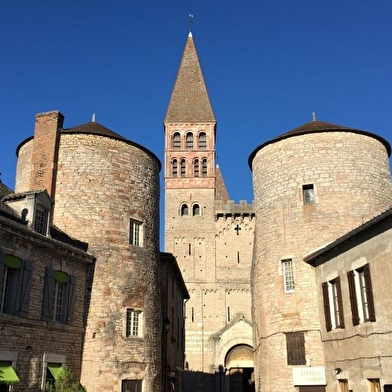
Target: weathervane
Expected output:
[190,20]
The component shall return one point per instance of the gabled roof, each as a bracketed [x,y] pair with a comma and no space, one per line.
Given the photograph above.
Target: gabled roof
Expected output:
[314,127]
[189,101]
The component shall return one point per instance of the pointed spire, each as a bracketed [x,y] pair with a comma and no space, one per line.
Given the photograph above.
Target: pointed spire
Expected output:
[190,101]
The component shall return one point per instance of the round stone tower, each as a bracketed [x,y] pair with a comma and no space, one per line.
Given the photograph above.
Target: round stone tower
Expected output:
[311,186]
[105,190]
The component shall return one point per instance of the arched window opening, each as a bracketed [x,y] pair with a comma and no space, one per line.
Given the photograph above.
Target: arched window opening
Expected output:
[184,210]
[189,141]
[174,168]
[202,141]
[196,168]
[196,210]
[204,167]
[182,167]
[176,141]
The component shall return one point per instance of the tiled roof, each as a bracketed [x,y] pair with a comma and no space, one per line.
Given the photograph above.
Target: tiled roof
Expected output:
[189,101]
[314,127]
[94,128]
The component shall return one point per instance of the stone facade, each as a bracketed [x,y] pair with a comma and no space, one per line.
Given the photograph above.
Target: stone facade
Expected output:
[106,193]
[311,186]
[356,334]
[30,339]
[211,237]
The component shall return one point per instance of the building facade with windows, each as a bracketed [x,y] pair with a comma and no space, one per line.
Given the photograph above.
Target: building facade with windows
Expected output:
[211,238]
[353,276]
[44,285]
[104,190]
[311,186]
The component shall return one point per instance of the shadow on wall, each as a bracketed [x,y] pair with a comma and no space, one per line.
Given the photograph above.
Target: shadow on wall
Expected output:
[226,380]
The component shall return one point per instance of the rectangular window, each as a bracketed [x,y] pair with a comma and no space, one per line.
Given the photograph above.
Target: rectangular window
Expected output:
[40,222]
[333,304]
[15,283]
[53,372]
[374,385]
[361,295]
[58,298]
[131,386]
[295,346]
[133,323]
[135,233]
[308,194]
[288,275]
[343,385]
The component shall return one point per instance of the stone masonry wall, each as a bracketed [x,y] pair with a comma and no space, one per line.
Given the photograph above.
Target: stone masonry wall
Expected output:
[351,179]
[102,183]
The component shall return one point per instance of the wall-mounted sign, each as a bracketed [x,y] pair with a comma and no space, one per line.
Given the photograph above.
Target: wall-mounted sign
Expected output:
[309,376]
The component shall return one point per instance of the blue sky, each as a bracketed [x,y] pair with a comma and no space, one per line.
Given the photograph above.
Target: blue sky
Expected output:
[268,65]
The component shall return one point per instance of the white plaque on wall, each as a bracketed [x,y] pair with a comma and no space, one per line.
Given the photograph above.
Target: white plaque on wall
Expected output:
[309,376]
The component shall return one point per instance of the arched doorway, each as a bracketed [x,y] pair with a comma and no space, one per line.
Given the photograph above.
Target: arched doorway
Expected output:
[239,369]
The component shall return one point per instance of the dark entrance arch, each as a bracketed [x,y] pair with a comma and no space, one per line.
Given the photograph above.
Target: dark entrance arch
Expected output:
[239,369]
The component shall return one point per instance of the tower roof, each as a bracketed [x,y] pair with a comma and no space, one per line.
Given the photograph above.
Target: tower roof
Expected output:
[189,101]
[314,127]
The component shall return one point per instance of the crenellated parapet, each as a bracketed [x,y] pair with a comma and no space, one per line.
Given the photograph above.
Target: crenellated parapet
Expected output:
[228,209]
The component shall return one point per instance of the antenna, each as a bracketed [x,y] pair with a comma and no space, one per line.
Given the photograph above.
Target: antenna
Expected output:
[314,116]
[93,119]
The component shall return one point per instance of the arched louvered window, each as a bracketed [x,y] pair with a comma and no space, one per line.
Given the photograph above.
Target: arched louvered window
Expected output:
[176,141]
[196,210]
[174,168]
[182,167]
[202,141]
[196,168]
[189,141]
[184,210]
[204,167]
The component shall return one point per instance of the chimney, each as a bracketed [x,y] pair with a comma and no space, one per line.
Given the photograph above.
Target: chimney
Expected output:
[45,151]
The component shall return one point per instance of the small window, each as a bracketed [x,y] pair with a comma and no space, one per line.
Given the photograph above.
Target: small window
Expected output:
[53,372]
[183,167]
[131,386]
[204,167]
[184,210]
[196,168]
[361,295]
[189,141]
[288,275]
[196,210]
[174,168]
[374,385]
[15,284]
[295,345]
[343,386]
[135,233]
[133,323]
[202,141]
[58,296]
[308,194]
[333,304]
[41,220]
[176,141]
